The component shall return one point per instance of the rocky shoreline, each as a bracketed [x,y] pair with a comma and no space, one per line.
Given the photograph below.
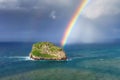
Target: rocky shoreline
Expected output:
[40,58]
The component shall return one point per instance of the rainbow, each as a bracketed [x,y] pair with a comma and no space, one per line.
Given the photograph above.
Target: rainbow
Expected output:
[73,21]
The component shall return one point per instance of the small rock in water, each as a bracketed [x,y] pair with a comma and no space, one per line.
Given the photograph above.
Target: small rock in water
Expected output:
[47,51]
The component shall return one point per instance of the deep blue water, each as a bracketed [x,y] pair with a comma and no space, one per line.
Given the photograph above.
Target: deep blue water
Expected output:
[102,58]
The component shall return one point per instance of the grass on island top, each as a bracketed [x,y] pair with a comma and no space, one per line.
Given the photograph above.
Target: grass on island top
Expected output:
[41,49]
[38,54]
[51,46]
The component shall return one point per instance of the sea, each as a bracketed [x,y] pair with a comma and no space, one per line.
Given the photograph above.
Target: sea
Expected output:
[85,62]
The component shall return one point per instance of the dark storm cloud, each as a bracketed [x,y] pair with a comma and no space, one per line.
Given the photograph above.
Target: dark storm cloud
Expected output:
[34,20]
[27,20]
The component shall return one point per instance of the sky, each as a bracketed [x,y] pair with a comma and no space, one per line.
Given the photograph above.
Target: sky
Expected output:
[46,20]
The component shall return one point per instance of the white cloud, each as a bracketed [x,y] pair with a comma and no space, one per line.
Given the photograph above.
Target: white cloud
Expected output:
[9,4]
[53,15]
[98,8]
[93,26]
[16,4]
[56,2]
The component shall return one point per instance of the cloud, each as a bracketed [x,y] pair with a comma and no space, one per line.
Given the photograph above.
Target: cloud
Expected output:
[98,23]
[38,4]
[92,26]
[98,8]
[56,2]
[85,32]
[9,4]
[53,15]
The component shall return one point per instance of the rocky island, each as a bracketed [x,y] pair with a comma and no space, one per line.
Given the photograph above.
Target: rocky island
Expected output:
[47,51]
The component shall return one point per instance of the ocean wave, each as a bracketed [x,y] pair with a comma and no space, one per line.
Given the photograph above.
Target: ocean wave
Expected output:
[27,58]
[18,58]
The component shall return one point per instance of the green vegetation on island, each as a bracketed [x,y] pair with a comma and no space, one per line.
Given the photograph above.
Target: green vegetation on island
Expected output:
[47,51]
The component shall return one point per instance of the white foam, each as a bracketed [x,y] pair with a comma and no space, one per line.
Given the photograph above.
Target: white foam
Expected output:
[20,58]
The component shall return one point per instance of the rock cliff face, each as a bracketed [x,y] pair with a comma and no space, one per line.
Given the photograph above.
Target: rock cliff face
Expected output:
[47,51]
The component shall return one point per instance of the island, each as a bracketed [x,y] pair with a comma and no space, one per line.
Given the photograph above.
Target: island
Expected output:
[47,51]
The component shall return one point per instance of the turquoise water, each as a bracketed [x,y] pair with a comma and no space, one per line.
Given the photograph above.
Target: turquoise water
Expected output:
[85,62]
